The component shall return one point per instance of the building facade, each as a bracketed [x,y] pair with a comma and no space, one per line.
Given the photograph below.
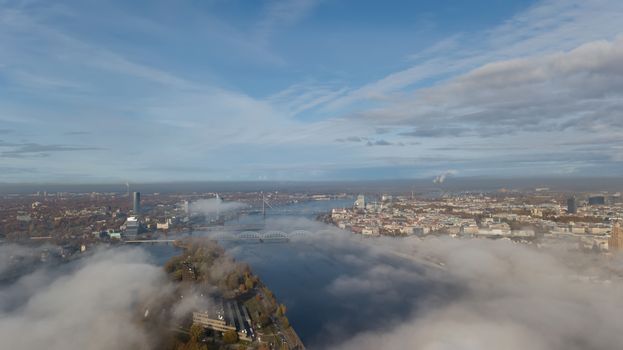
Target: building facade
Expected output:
[136,202]
[360,203]
[615,242]
[572,206]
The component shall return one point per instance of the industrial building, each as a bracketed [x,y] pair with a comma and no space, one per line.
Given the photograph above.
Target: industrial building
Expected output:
[226,316]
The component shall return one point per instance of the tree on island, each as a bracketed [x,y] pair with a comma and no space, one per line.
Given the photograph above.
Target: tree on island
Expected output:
[194,343]
[281,310]
[196,331]
[230,337]
[233,281]
[192,346]
[264,320]
[285,323]
[248,282]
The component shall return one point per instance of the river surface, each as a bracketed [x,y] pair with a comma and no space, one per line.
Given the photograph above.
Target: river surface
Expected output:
[332,291]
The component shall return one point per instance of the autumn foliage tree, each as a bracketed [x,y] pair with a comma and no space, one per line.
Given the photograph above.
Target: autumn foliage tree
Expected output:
[230,337]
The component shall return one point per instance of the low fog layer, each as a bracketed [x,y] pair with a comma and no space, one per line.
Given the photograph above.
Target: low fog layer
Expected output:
[469,294]
[10,253]
[213,206]
[95,303]
[513,298]
[484,294]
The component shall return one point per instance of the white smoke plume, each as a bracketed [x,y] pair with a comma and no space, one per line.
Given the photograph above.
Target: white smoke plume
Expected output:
[441,178]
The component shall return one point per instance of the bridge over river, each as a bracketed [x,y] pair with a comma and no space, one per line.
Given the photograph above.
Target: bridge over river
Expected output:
[230,227]
[267,236]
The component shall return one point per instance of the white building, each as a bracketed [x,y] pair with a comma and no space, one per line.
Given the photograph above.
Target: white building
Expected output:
[132,226]
[360,203]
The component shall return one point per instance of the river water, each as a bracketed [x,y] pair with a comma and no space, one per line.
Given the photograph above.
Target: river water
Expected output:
[332,291]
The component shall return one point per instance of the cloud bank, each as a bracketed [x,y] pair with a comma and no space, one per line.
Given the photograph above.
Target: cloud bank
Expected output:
[442,293]
[511,297]
[213,206]
[454,294]
[89,305]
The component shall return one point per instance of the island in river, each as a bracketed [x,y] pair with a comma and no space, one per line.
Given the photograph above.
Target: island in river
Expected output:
[229,307]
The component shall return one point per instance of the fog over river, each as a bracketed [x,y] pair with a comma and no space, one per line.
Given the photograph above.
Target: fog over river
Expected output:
[341,292]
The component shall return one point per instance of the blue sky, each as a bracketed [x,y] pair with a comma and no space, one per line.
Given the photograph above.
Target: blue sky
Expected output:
[94,91]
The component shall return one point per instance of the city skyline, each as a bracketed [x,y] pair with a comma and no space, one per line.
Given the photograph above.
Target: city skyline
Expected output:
[309,90]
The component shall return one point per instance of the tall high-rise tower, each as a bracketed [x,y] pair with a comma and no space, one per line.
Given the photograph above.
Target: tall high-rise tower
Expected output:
[572,206]
[186,206]
[136,202]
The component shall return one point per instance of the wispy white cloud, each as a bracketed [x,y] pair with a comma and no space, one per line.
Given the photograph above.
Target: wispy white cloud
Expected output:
[282,13]
[548,26]
[522,83]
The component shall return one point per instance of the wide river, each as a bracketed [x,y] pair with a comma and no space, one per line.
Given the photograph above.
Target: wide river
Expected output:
[329,290]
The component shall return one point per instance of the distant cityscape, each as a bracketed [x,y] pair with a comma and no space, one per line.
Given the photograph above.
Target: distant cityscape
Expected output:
[64,217]
[542,217]
[585,221]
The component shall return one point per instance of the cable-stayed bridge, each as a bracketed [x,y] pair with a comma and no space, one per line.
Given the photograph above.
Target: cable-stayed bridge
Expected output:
[282,211]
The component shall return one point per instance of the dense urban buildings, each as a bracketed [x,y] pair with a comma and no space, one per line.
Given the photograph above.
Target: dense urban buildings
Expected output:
[537,216]
[540,217]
